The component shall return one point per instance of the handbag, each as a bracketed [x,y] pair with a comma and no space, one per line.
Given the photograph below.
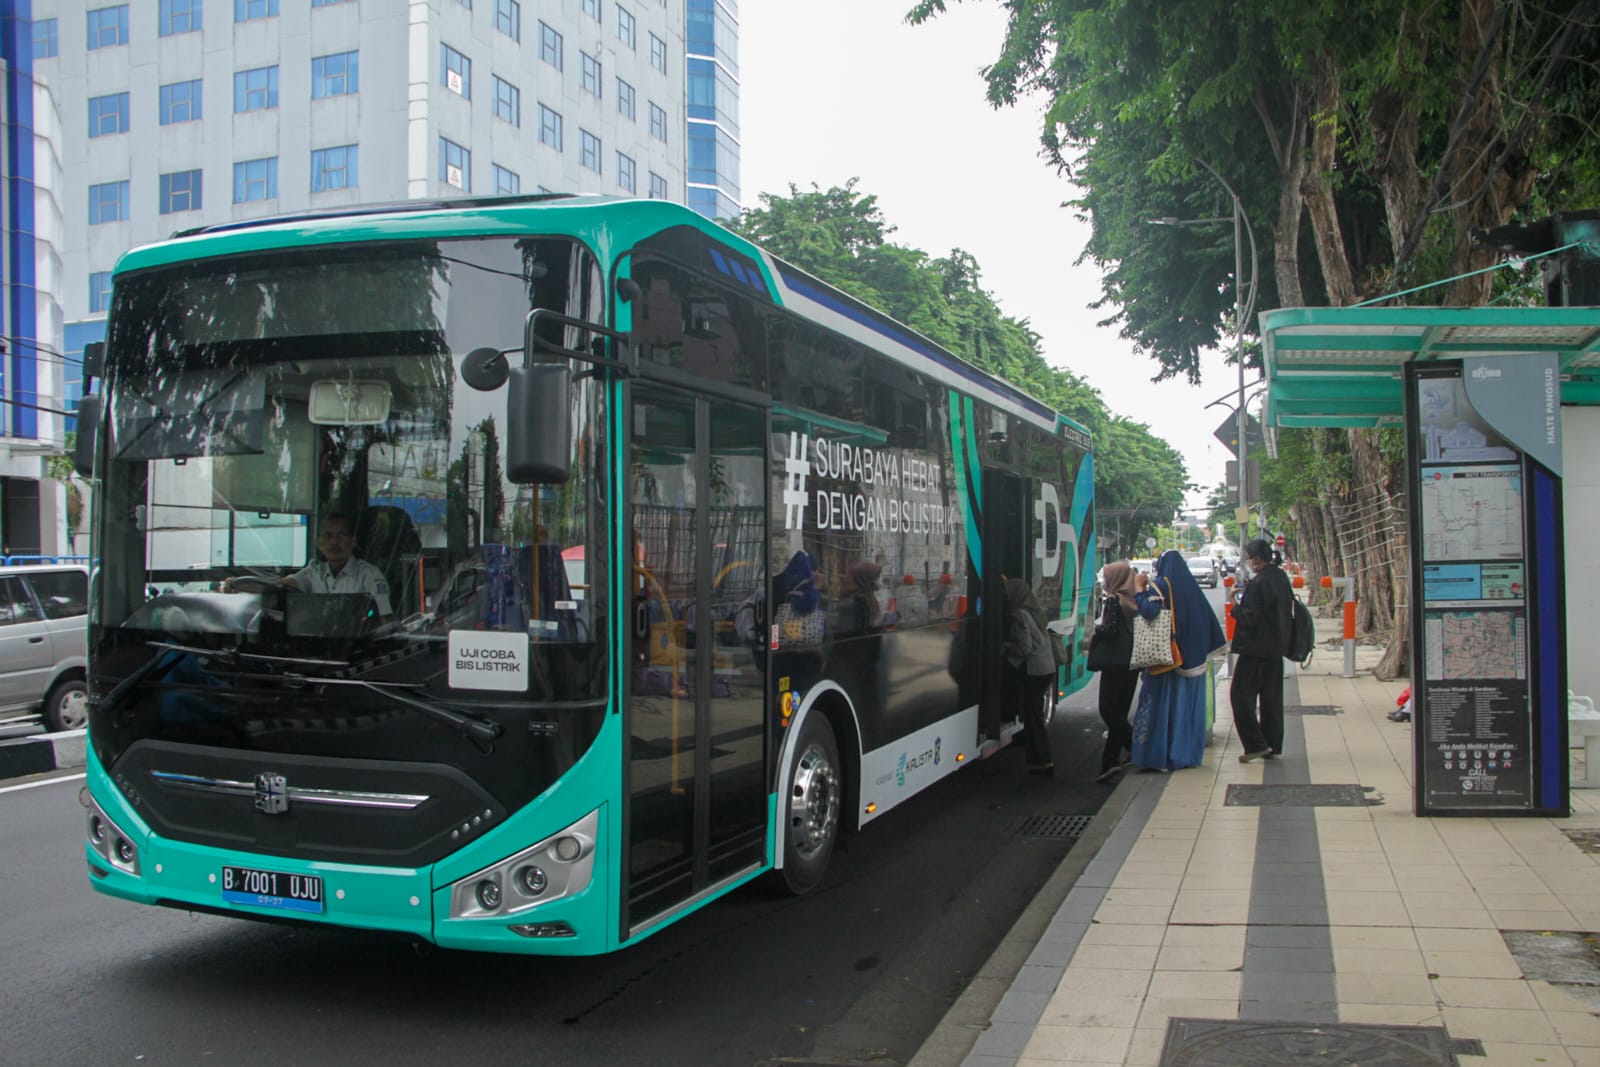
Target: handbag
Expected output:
[1155,641]
[796,630]
[1111,647]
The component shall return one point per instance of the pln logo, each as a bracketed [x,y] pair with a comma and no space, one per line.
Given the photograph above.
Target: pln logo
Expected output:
[937,741]
[900,771]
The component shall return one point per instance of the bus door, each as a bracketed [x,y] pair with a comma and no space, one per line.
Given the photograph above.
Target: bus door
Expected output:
[696,684]
[1005,555]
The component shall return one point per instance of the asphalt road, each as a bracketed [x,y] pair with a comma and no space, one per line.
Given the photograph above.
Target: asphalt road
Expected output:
[859,972]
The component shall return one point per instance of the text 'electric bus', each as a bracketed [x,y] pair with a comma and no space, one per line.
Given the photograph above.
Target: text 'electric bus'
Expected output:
[669,565]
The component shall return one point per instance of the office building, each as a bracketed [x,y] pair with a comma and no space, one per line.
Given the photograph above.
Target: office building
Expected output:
[182,113]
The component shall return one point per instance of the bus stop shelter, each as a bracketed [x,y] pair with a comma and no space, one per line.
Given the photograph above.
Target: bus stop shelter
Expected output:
[1347,367]
[1342,366]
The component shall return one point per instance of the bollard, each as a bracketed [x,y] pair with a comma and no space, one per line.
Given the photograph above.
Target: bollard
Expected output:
[1348,587]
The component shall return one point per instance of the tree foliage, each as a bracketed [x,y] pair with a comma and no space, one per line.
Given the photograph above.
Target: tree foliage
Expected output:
[840,235]
[1368,145]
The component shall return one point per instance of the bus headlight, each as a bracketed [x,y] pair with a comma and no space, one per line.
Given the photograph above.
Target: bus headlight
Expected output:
[559,866]
[532,881]
[108,840]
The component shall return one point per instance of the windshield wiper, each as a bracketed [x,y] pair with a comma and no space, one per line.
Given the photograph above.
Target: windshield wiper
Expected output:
[145,672]
[479,731]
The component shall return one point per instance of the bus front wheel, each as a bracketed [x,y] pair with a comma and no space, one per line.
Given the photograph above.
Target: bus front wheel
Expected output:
[812,808]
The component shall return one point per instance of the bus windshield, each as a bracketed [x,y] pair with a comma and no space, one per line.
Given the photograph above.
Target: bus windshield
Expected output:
[297,478]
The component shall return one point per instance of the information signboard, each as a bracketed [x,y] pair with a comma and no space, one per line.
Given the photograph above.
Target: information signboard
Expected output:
[1488,683]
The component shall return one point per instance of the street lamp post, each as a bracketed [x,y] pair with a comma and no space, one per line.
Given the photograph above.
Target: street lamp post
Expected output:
[1242,309]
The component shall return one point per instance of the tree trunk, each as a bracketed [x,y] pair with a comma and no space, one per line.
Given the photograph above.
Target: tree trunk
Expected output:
[1317,183]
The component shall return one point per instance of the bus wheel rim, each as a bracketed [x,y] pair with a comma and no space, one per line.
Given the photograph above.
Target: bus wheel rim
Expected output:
[813,802]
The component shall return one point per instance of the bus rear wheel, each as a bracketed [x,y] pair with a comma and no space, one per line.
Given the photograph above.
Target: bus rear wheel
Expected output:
[811,810]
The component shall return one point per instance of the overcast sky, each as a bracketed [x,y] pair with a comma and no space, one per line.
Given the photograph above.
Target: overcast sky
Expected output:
[835,89]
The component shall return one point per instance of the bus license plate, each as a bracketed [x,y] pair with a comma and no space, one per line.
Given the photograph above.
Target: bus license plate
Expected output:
[272,889]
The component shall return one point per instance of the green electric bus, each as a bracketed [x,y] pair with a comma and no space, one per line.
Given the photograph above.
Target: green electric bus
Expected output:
[522,574]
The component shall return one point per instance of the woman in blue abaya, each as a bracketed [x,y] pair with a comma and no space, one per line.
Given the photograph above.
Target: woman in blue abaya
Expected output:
[1169,727]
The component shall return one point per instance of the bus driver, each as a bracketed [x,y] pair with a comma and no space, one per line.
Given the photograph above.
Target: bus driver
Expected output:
[338,571]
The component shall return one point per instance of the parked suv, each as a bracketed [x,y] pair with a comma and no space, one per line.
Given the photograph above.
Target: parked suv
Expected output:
[44,643]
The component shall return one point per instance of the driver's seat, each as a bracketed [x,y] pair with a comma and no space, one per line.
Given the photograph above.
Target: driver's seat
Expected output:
[389,541]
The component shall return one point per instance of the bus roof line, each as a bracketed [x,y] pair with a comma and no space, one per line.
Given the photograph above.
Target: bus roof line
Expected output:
[798,283]
[391,207]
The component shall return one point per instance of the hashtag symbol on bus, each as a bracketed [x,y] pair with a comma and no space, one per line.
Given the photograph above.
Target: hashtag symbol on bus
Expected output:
[796,469]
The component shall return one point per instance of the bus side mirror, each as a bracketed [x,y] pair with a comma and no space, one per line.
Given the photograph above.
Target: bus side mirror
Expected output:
[539,424]
[88,430]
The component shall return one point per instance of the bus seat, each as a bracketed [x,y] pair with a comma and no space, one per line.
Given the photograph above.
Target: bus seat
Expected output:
[389,541]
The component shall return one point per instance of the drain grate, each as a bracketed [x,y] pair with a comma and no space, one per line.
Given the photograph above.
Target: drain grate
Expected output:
[1298,796]
[1588,840]
[1054,827]
[1569,960]
[1226,1043]
[1315,709]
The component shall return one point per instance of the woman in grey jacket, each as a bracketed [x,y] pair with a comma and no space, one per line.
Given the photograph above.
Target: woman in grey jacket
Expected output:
[1027,651]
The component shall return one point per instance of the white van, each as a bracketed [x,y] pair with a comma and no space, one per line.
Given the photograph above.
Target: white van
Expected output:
[44,643]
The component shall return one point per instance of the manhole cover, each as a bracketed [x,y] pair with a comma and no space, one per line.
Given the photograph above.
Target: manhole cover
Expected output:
[1225,1043]
[1298,796]
[1588,840]
[1056,827]
[1315,709]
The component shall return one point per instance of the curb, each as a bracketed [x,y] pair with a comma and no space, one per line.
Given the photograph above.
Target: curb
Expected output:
[39,755]
[969,1017]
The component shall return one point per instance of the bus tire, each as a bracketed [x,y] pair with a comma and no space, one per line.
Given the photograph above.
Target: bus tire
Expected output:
[813,807]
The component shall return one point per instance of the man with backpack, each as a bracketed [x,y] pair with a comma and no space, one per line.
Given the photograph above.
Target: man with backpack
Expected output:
[1264,623]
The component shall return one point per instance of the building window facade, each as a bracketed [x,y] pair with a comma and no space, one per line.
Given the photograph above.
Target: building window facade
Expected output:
[624,99]
[255,90]
[550,128]
[108,114]
[335,75]
[508,18]
[507,101]
[99,291]
[255,179]
[180,191]
[245,10]
[658,53]
[506,181]
[335,168]
[658,187]
[658,122]
[627,29]
[455,71]
[180,102]
[590,74]
[455,165]
[108,202]
[178,16]
[625,174]
[550,46]
[589,150]
[46,39]
[592,9]
[108,27]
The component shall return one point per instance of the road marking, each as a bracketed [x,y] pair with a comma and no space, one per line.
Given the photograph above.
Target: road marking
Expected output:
[35,785]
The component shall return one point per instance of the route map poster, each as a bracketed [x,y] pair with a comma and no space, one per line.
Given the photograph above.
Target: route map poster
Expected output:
[1478,667]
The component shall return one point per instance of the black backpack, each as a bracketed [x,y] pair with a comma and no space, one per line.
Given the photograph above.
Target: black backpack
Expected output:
[1302,635]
